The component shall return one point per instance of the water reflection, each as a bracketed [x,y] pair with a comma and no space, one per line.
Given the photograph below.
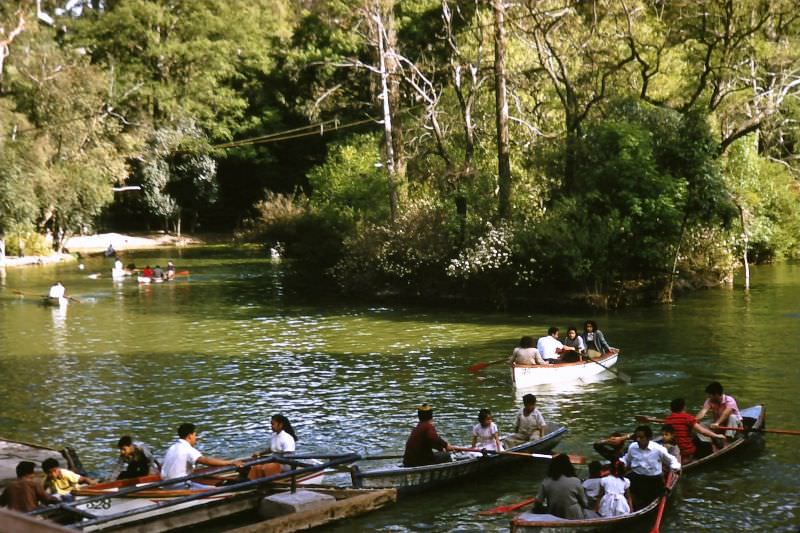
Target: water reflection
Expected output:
[232,345]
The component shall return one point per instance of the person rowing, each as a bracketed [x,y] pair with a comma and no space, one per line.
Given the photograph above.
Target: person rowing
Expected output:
[424,440]
[724,409]
[644,460]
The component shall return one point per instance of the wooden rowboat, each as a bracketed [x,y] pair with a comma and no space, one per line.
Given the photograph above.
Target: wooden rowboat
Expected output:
[753,420]
[420,478]
[524,376]
[55,302]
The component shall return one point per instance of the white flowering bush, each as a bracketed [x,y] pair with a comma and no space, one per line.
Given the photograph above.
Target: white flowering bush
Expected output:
[491,253]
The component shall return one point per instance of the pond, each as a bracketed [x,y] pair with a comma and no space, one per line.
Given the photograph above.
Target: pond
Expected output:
[232,343]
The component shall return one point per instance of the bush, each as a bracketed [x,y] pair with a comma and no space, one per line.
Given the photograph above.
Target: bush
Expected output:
[27,243]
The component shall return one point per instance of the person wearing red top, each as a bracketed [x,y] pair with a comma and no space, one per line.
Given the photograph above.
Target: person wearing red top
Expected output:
[423,440]
[683,423]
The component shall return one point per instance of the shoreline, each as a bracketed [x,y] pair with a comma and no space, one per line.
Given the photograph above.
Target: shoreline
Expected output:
[93,244]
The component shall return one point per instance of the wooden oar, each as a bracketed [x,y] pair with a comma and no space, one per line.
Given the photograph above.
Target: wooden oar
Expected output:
[622,376]
[379,457]
[574,459]
[20,293]
[661,505]
[477,367]
[760,430]
[644,419]
[508,508]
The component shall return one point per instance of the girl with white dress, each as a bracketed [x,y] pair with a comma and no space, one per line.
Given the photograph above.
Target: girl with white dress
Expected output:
[615,496]
[485,434]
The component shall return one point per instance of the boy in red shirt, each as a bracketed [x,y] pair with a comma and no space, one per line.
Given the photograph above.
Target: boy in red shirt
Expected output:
[683,423]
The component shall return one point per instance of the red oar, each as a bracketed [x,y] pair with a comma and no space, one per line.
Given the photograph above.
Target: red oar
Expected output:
[477,367]
[182,273]
[508,508]
[661,505]
[778,431]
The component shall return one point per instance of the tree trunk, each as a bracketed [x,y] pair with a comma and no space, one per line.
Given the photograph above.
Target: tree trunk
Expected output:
[501,113]
[387,116]
[2,252]
[746,244]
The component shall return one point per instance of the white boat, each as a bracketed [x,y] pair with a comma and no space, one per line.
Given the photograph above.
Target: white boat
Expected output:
[524,376]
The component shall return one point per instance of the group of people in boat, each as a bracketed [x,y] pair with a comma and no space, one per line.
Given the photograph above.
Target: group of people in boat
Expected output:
[136,459]
[425,447]
[552,349]
[634,474]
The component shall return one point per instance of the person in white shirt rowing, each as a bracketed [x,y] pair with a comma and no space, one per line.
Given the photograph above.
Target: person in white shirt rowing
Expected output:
[644,461]
[181,458]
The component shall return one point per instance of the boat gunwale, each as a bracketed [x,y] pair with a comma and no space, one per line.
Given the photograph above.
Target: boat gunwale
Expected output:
[747,438]
[396,471]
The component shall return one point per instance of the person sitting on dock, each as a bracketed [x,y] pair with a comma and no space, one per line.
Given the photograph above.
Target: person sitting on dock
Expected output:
[282,442]
[57,291]
[550,347]
[724,409]
[529,424]
[182,457]
[135,459]
[110,251]
[60,482]
[644,462]
[24,494]
[526,353]
[423,440]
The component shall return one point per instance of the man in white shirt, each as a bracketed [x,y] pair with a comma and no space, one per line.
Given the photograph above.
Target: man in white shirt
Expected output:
[182,457]
[644,459]
[550,347]
[56,290]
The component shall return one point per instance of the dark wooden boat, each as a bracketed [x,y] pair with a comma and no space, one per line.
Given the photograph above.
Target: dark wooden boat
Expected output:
[753,420]
[419,478]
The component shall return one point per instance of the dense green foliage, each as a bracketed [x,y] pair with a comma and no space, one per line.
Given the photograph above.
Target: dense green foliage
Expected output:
[651,144]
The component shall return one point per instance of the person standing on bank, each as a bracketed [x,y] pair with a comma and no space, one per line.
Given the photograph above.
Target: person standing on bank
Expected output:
[423,440]
[644,461]
[181,458]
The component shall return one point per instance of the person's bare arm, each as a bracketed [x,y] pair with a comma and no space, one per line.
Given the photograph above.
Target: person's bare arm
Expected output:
[213,461]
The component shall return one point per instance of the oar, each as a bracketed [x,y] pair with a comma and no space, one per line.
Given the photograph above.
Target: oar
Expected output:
[43,295]
[508,508]
[644,419]
[574,459]
[477,367]
[661,505]
[379,457]
[182,273]
[622,376]
[778,431]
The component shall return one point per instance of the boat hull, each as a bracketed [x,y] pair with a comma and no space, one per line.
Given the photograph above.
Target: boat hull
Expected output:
[421,478]
[525,376]
[754,418]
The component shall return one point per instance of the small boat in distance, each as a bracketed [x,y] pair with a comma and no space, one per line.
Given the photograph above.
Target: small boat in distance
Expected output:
[524,376]
[753,421]
[419,478]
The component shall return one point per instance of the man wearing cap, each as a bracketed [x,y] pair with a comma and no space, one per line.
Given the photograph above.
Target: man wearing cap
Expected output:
[423,440]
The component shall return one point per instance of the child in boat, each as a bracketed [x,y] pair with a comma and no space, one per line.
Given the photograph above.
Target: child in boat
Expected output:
[668,441]
[591,486]
[485,434]
[615,496]
[529,424]
[60,482]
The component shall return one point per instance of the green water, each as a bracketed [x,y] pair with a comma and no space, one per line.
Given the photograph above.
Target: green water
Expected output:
[233,343]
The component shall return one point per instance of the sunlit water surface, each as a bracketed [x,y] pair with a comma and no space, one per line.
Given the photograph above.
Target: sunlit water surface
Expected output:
[230,345]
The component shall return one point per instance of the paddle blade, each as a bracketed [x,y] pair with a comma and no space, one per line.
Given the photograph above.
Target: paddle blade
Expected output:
[477,367]
[508,508]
